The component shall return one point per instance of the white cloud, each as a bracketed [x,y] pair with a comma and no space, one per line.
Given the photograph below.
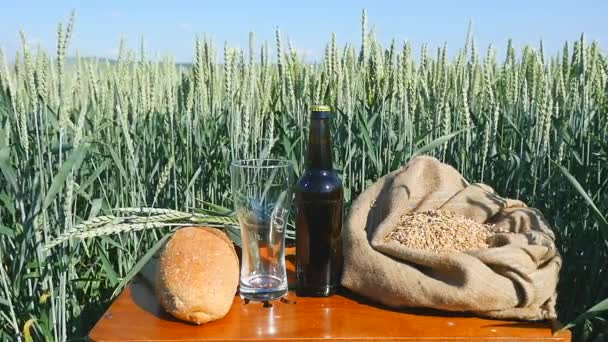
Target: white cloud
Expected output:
[34,41]
[307,55]
[31,42]
[112,53]
[184,26]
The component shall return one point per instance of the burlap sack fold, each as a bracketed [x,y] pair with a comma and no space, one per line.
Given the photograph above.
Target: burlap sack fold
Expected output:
[515,278]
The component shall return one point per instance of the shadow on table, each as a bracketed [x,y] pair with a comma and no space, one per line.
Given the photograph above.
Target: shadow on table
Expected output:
[441,313]
[555,325]
[414,311]
[142,291]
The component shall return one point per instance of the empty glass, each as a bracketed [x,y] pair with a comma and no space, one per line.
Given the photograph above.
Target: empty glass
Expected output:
[262,191]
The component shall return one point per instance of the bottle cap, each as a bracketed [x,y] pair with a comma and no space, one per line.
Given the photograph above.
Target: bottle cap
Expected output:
[321,108]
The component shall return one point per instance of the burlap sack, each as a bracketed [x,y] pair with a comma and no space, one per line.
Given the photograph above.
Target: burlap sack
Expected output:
[514,279]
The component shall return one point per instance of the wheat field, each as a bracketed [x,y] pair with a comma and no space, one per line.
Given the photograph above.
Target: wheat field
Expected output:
[82,136]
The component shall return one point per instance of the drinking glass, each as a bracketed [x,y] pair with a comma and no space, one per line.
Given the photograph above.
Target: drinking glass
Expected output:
[262,191]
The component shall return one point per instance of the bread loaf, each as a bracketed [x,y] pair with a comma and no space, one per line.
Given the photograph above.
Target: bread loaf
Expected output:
[198,275]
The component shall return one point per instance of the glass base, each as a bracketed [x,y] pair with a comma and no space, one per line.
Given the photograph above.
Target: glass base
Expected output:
[263,296]
[263,288]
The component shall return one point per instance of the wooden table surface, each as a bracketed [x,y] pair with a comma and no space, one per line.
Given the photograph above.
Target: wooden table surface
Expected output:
[137,316]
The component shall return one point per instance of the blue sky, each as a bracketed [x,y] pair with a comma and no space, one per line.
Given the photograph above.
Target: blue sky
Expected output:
[171,26]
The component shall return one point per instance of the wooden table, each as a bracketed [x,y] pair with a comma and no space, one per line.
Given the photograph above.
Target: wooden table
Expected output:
[137,316]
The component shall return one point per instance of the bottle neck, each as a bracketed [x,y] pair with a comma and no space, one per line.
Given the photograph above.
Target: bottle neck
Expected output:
[319,144]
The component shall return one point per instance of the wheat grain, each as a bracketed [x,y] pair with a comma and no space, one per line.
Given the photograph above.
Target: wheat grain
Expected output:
[21,115]
[363,51]
[42,76]
[103,231]
[164,177]
[4,74]
[440,232]
[146,211]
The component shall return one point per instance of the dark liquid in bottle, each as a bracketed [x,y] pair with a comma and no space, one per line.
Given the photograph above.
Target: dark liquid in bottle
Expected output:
[319,201]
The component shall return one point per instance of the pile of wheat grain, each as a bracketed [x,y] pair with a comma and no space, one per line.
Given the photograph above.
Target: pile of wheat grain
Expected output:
[440,232]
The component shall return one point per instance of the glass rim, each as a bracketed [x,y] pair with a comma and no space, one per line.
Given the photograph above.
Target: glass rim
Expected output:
[261,163]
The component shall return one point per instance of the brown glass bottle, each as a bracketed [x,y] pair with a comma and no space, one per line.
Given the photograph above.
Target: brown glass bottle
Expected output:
[319,205]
